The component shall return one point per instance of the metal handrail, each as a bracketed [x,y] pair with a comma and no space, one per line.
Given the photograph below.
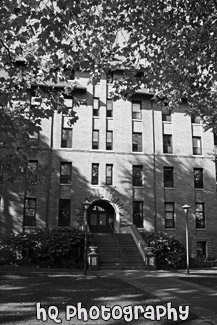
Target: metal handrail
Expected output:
[117,243]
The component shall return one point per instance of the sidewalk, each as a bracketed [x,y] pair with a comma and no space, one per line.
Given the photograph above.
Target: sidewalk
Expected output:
[166,286]
[169,288]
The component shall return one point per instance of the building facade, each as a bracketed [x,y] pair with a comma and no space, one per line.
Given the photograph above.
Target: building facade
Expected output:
[134,161]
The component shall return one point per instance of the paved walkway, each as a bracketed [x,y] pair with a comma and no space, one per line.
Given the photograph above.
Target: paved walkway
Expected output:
[169,288]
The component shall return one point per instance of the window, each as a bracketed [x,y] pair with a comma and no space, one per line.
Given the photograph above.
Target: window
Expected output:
[109,108]
[198,177]
[29,212]
[216,172]
[136,110]
[64,213]
[66,140]
[109,77]
[65,172]
[1,174]
[137,175]
[169,215]
[167,144]
[199,215]
[109,172]
[109,140]
[215,139]
[195,119]
[32,168]
[168,177]
[95,141]
[137,142]
[201,249]
[138,214]
[96,107]
[34,139]
[166,114]
[95,174]
[197,150]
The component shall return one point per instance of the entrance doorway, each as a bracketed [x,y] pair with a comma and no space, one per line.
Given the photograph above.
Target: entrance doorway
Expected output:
[100,217]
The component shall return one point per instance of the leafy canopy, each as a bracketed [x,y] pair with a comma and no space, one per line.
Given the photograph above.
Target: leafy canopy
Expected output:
[171,42]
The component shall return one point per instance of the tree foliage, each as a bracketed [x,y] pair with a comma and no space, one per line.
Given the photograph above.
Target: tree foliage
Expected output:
[172,43]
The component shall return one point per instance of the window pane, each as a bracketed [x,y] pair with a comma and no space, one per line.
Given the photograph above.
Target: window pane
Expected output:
[136,110]
[33,139]
[109,174]
[95,135]
[166,114]
[138,213]
[169,207]
[109,77]
[137,175]
[109,140]
[66,122]
[199,215]
[167,144]
[66,141]
[96,107]
[64,212]
[137,142]
[95,143]
[195,119]
[215,139]
[32,167]
[93,219]
[201,249]
[29,212]
[109,111]
[30,203]
[169,223]
[169,215]
[95,174]
[65,173]
[198,177]
[197,146]
[96,123]
[168,177]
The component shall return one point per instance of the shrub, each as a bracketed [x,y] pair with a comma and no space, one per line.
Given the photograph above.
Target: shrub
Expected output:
[200,262]
[169,252]
[60,247]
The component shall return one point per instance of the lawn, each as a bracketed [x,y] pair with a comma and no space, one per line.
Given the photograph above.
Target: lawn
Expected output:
[208,280]
[21,290]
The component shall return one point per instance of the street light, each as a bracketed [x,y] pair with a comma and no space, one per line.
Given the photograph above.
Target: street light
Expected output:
[86,205]
[186,209]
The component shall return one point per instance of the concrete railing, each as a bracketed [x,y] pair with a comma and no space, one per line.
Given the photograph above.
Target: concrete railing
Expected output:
[140,243]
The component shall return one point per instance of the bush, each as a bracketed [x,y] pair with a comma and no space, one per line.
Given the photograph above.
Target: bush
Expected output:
[200,262]
[60,247]
[169,252]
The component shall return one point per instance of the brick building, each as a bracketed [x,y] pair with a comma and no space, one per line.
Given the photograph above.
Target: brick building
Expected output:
[133,160]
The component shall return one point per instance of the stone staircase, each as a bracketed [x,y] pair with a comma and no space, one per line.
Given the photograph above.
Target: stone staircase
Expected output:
[124,255]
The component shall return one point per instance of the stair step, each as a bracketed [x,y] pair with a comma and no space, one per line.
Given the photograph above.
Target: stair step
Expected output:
[109,253]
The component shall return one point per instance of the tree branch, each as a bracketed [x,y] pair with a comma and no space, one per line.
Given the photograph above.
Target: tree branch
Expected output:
[7,48]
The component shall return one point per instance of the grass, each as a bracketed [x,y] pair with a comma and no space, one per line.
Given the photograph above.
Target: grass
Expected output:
[208,280]
[20,291]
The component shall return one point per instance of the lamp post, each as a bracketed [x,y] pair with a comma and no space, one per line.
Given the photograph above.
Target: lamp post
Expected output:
[86,205]
[186,209]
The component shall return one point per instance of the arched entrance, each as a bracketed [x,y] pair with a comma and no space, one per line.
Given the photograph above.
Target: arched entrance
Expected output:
[101,217]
